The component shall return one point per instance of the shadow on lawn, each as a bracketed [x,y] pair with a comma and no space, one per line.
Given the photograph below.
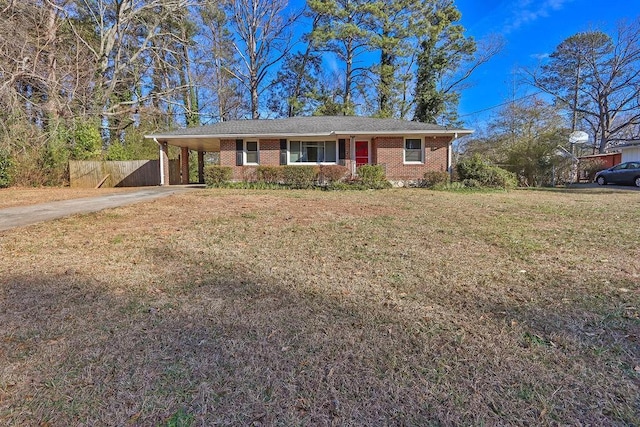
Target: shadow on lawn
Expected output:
[228,351]
[237,348]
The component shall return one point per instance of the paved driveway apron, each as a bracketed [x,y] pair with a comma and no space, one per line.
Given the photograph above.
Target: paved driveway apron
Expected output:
[20,216]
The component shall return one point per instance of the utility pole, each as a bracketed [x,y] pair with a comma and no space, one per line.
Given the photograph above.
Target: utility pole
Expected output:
[574,124]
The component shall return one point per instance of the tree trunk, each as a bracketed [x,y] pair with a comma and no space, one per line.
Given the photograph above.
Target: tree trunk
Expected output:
[52,104]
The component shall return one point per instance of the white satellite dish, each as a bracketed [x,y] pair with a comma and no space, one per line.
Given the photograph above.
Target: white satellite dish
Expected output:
[578,137]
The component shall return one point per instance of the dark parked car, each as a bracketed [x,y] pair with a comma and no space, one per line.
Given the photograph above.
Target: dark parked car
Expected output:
[624,173]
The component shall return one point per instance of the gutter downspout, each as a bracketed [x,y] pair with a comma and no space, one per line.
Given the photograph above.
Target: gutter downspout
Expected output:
[161,162]
[450,157]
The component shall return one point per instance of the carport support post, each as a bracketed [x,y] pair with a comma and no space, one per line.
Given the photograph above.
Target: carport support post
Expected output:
[164,162]
[201,167]
[184,160]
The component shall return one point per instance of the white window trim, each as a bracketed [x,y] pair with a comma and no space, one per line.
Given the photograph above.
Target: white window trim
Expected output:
[404,152]
[289,162]
[244,153]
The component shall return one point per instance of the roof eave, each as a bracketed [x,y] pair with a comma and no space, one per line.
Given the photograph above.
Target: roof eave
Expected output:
[459,132]
[236,135]
[408,132]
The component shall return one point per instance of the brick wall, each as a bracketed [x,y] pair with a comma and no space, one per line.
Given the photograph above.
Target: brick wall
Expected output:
[269,150]
[389,151]
[228,157]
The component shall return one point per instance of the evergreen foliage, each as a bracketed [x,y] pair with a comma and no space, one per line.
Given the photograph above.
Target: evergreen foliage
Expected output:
[441,53]
[475,171]
[373,176]
[6,164]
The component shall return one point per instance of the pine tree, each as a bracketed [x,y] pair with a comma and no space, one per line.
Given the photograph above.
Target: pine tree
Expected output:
[443,50]
[345,29]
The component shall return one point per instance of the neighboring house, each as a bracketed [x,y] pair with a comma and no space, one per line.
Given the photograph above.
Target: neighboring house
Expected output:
[630,152]
[589,165]
[405,149]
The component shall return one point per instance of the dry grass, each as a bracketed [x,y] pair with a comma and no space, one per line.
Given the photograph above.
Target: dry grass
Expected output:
[21,196]
[397,307]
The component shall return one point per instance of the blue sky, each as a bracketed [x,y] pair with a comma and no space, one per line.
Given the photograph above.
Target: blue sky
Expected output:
[531,30]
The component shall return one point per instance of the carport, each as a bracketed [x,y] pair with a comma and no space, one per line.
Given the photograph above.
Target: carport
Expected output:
[201,144]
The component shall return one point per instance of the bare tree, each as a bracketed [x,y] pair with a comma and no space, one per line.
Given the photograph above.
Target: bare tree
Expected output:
[217,60]
[124,33]
[597,78]
[263,37]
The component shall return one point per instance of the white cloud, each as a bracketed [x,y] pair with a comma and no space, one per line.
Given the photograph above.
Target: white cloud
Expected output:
[539,56]
[527,11]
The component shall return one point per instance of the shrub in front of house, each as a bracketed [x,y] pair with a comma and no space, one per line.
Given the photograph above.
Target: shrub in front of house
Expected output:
[216,175]
[373,176]
[269,174]
[332,173]
[299,176]
[348,184]
[476,171]
[249,174]
[434,178]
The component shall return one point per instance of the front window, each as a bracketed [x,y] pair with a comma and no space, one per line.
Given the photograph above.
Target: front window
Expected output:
[413,151]
[251,152]
[312,152]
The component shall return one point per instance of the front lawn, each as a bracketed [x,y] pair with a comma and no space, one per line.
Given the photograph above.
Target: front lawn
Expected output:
[391,307]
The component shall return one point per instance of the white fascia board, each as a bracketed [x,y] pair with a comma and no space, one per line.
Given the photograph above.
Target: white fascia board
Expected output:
[406,132]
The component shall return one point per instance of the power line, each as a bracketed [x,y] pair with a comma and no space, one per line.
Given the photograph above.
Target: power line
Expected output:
[501,105]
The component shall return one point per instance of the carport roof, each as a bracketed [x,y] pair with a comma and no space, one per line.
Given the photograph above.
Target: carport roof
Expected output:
[310,126]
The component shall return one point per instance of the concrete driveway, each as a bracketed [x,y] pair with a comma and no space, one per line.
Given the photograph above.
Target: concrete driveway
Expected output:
[21,216]
[604,187]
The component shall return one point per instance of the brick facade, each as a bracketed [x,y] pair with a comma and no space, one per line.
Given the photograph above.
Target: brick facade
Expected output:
[389,151]
[386,151]
[268,155]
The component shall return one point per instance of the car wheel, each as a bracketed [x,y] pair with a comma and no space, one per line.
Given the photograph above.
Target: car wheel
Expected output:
[637,181]
[601,180]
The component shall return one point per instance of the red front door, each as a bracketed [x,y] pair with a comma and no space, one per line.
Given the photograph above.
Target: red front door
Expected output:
[362,153]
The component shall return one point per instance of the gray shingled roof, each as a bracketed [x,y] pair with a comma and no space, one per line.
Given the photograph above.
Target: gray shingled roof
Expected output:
[315,125]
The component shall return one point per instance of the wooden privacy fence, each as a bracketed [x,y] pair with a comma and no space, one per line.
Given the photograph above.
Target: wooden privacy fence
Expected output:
[130,173]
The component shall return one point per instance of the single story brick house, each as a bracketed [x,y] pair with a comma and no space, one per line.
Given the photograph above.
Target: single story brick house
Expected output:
[405,149]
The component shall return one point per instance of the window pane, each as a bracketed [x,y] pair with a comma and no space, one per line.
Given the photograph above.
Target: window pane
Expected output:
[313,151]
[413,156]
[330,151]
[294,152]
[413,144]
[252,152]
[413,150]
[310,153]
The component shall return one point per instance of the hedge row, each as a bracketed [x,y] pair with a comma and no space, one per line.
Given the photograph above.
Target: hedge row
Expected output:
[328,176]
